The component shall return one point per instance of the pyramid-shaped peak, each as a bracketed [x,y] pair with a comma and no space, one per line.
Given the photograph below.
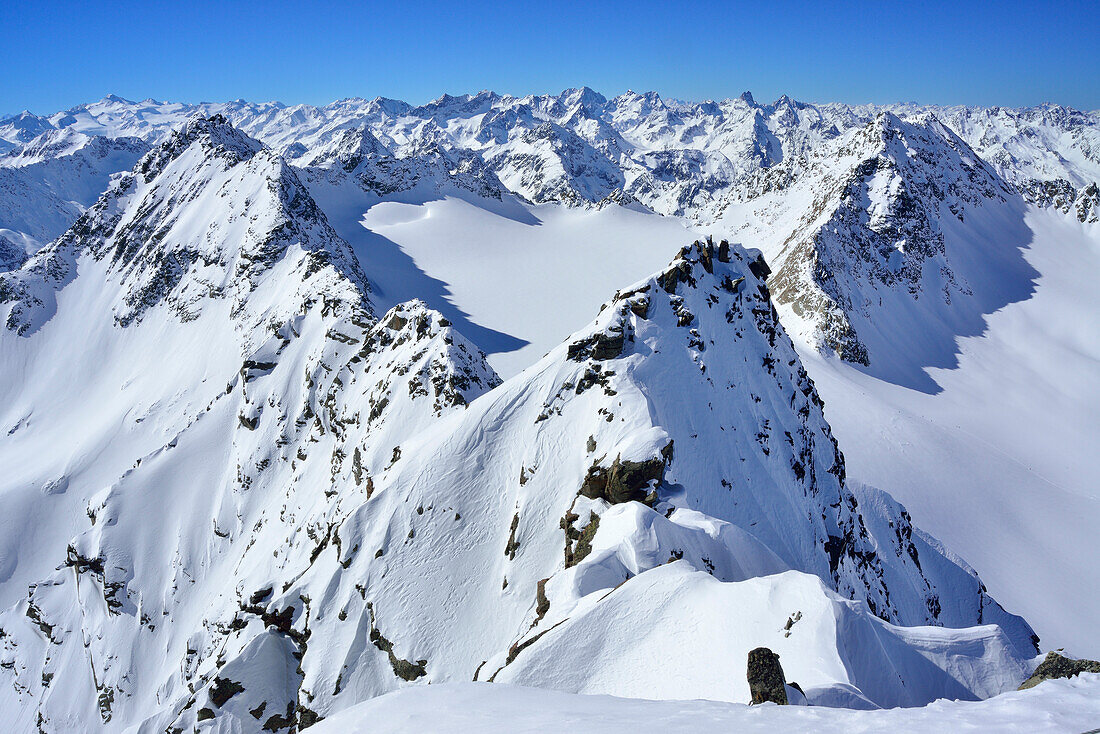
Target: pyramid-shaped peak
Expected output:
[214,134]
[216,130]
[583,96]
[345,147]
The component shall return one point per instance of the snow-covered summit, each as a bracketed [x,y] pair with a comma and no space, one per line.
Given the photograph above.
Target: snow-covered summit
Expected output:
[895,228]
[47,182]
[203,215]
[247,498]
[21,128]
[202,304]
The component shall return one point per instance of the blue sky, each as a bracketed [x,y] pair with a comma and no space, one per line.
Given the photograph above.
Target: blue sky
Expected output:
[58,54]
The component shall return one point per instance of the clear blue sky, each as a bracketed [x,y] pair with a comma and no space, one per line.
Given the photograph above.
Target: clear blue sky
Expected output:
[57,54]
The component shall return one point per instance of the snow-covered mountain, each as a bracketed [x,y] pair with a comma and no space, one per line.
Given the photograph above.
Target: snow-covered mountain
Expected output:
[274,502]
[20,129]
[895,229]
[261,468]
[207,267]
[356,154]
[46,184]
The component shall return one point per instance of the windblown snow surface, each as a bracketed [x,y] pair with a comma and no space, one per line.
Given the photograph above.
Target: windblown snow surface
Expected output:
[473,708]
[261,466]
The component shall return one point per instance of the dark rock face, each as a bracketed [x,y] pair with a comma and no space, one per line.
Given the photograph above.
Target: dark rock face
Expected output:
[598,347]
[627,481]
[766,681]
[402,668]
[1059,666]
[223,690]
[759,267]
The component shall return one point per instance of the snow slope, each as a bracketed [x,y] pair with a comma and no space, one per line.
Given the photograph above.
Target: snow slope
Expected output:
[534,277]
[473,708]
[999,464]
[190,315]
[242,461]
[889,244]
[983,429]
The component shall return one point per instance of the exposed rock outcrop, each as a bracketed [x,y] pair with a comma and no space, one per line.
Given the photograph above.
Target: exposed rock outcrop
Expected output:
[626,481]
[766,681]
[1059,666]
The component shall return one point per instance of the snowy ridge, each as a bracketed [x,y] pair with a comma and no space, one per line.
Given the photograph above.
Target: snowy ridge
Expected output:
[356,154]
[22,128]
[211,385]
[243,500]
[159,572]
[262,210]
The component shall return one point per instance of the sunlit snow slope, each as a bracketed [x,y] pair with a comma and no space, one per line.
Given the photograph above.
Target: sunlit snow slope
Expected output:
[470,708]
[978,409]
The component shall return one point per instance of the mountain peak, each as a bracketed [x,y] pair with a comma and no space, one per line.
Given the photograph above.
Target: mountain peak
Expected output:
[214,135]
[583,96]
[216,131]
[208,215]
[898,198]
[346,148]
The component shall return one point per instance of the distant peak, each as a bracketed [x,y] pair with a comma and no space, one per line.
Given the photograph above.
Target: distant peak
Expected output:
[785,101]
[746,97]
[347,147]
[445,99]
[644,100]
[584,96]
[888,119]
